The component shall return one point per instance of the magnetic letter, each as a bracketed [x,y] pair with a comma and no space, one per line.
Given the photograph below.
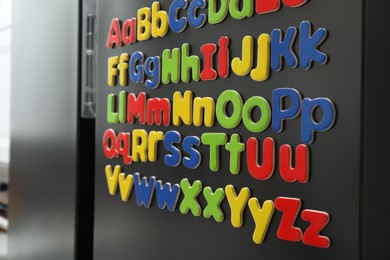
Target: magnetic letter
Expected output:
[290,208]
[235,148]
[242,67]
[128,31]
[220,15]
[144,189]
[265,118]
[154,137]
[208,72]
[214,140]
[157,108]
[182,108]
[112,72]
[301,170]
[237,204]
[280,49]
[213,199]
[170,66]
[279,114]
[143,24]
[223,57]
[152,69]
[223,119]
[208,106]
[114,34]
[190,201]
[196,22]
[193,161]
[112,178]
[167,195]
[170,138]
[309,124]
[261,217]
[136,107]
[159,21]
[308,45]
[318,220]
[261,72]
[189,64]
[125,185]
[246,11]
[177,25]
[266,169]
[267,6]
[139,145]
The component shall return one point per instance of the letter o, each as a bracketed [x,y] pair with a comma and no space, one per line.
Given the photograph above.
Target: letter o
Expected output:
[265,118]
[223,119]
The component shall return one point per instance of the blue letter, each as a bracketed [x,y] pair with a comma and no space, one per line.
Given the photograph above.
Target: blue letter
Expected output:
[167,195]
[309,125]
[174,158]
[196,22]
[136,71]
[152,69]
[308,51]
[177,25]
[278,112]
[143,189]
[193,161]
[283,48]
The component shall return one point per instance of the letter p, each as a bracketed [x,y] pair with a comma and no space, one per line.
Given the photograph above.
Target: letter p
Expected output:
[309,124]
[279,114]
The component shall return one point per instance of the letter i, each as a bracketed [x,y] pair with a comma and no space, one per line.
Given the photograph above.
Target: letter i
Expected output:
[223,57]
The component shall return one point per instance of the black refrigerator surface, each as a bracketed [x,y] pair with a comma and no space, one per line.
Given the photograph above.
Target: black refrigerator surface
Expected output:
[245,129]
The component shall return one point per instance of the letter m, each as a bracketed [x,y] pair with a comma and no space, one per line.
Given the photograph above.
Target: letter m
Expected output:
[136,108]
[157,108]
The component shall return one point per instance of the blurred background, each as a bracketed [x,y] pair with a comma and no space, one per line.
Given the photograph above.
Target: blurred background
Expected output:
[5,87]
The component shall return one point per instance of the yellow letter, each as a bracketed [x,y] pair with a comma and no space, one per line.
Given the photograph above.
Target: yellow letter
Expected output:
[208,105]
[241,67]
[112,178]
[143,24]
[261,72]
[237,203]
[139,145]
[154,137]
[123,65]
[262,218]
[182,108]
[125,185]
[112,72]
[159,17]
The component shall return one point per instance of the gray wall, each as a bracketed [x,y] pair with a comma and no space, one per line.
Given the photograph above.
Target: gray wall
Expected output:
[44,129]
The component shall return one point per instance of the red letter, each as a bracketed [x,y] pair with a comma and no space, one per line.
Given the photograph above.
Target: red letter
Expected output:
[109,144]
[128,31]
[158,106]
[122,147]
[294,3]
[208,72]
[114,34]
[223,57]
[318,220]
[300,172]
[136,107]
[267,6]
[289,207]
[266,170]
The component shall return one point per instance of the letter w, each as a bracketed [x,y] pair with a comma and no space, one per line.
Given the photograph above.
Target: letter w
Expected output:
[167,195]
[144,189]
